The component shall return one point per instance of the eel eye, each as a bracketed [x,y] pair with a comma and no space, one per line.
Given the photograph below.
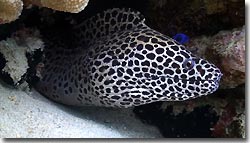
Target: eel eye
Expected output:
[188,64]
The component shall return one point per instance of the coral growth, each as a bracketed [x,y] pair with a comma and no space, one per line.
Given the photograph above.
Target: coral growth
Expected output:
[230,124]
[229,47]
[219,115]
[73,6]
[11,9]
[227,50]
[16,64]
[14,52]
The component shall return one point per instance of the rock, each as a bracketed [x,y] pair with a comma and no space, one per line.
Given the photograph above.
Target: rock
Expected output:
[14,51]
[219,115]
[194,17]
[10,10]
[73,6]
[226,50]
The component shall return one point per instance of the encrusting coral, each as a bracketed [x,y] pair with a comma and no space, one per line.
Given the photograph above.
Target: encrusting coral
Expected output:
[229,46]
[10,10]
[73,6]
[227,50]
[14,52]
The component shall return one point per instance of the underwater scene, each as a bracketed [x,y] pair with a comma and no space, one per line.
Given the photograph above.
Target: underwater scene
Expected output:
[122,69]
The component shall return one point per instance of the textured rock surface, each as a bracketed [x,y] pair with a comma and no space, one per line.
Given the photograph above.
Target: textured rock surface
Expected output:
[33,116]
[73,6]
[227,50]
[14,51]
[16,64]
[195,17]
[10,10]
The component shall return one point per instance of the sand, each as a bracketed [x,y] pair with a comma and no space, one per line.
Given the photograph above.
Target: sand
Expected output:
[30,115]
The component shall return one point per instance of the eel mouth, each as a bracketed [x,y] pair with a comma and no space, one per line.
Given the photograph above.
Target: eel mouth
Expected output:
[213,83]
[215,80]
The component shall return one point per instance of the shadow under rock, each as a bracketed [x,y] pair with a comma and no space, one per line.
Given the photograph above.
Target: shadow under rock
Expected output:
[122,120]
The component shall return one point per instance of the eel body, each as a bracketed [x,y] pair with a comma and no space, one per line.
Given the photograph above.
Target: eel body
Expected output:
[119,61]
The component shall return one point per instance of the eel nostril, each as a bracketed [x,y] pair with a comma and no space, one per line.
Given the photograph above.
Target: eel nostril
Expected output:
[202,72]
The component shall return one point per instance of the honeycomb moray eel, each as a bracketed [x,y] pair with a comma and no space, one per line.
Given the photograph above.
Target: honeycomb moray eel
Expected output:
[120,62]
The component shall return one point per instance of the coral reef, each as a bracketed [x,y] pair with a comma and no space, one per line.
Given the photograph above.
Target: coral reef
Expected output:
[227,50]
[229,47]
[14,51]
[221,115]
[195,17]
[10,10]
[73,6]
[16,64]
[230,124]
[218,115]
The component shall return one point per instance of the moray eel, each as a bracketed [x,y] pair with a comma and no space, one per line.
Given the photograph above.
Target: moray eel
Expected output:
[121,62]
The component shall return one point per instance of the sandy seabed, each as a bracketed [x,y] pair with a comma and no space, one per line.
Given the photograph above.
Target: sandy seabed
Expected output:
[30,115]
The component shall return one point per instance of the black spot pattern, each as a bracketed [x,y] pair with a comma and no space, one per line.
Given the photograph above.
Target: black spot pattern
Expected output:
[125,63]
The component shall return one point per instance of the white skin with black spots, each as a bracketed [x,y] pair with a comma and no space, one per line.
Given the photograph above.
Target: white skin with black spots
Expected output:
[125,64]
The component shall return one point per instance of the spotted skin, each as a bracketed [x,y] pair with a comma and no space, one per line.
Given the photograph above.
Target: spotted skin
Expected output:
[121,62]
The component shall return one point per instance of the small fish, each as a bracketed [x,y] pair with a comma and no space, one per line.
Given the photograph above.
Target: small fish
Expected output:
[119,61]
